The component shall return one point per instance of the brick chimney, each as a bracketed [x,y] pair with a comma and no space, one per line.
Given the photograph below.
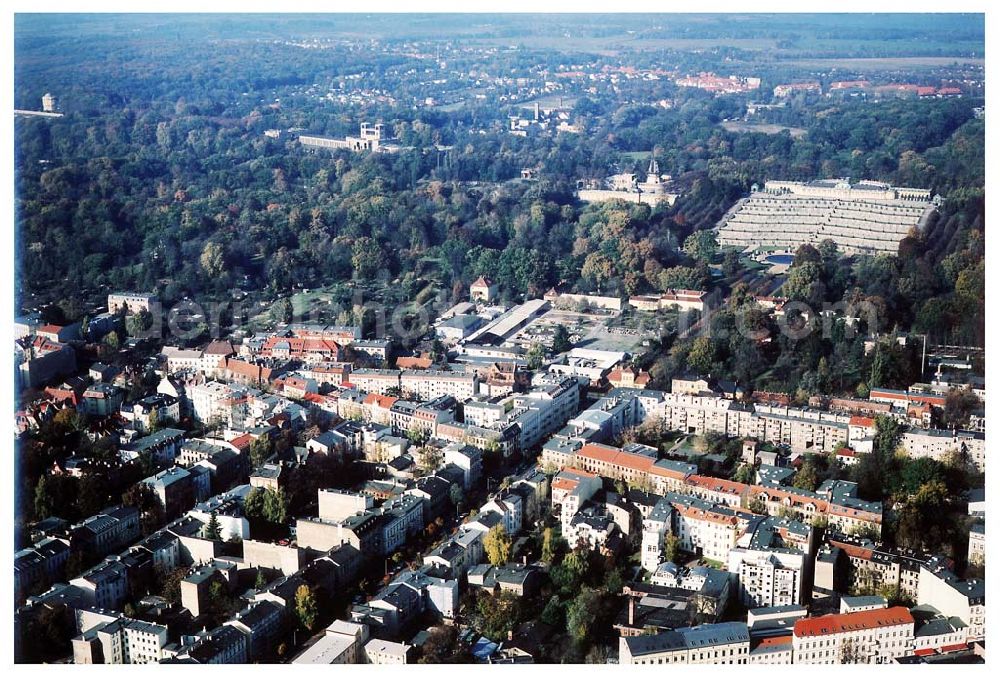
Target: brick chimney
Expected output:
[631,610]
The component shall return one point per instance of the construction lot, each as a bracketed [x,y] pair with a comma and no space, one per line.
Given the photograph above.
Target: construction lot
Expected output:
[606,331]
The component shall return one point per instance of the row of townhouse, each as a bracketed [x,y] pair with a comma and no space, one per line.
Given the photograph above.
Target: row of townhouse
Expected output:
[925,578]
[332,373]
[424,385]
[182,542]
[633,464]
[512,508]
[637,465]
[235,405]
[434,587]
[875,635]
[268,612]
[503,439]
[874,566]
[804,430]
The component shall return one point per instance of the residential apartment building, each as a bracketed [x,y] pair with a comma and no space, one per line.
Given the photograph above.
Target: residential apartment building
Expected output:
[340,644]
[722,643]
[866,637]
[133,302]
[120,640]
[939,587]
[703,528]
[939,444]
[768,577]
[427,385]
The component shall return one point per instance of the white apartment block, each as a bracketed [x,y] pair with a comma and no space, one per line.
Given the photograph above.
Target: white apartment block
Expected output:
[132,302]
[510,508]
[379,381]
[804,430]
[570,489]
[378,651]
[768,577]
[340,644]
[965,599]
[655,528]
[120,640]
[427,385]
[179,359]
[212,401]
[337,505]
[977,544]
[938,444]
[705,529]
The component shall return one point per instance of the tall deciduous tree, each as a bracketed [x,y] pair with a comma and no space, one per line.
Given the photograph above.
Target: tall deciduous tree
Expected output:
[306,609]
[497,545]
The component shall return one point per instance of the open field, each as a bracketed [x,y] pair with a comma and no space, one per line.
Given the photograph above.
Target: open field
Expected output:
[891,63]
[551,101]
[634,155]
[615,45]
[762,128]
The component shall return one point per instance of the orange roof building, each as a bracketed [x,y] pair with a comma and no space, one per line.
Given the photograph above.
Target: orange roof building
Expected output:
[871,636]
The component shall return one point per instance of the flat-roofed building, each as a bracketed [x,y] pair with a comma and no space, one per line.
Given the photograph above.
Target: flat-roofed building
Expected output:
[340,644]
[133,302]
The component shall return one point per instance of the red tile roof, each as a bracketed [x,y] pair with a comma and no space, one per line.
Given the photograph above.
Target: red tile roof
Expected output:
[380,400]
[854,550]
[717,485]
[242,442]
[776,640]
[616,456]
[414,362]
[866,619]
[954,647]
[220,347]
[640,378]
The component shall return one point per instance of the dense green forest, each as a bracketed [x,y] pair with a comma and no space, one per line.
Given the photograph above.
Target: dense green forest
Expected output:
[160,177]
